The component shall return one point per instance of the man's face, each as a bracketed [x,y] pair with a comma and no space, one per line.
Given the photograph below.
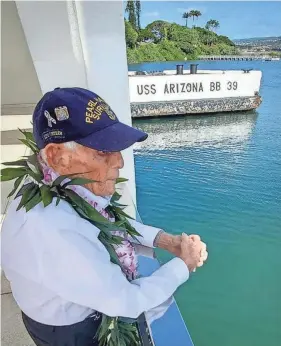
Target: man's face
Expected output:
[88,163]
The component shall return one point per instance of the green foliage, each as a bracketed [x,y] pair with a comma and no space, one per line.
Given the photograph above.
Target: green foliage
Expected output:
[131,35]
[185,16]
[226,40]
[163,51]
[121,180]
[130,8]
[185,38]
[138,12]
[29,141]
[170,51]
[212,24]
[145,35]
[163,41]
[113,332]
[275,54]
[195,14]
[207,37]
[12,173]
[46,195]
[159,30]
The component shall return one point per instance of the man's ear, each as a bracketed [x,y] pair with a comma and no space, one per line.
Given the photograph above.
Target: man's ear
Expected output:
[56,157]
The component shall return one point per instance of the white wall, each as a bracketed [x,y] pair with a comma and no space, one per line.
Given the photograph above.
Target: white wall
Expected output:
[101,25]
[54,42]
[19,82]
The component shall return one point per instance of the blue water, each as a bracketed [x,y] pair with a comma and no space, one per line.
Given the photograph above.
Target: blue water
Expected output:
[220,177]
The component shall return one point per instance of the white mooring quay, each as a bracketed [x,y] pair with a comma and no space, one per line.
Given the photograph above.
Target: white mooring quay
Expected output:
[177,92]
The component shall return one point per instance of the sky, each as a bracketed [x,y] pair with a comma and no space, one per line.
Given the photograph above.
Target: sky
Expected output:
[238,19]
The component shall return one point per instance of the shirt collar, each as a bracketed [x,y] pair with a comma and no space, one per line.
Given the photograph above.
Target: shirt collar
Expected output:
[90,197]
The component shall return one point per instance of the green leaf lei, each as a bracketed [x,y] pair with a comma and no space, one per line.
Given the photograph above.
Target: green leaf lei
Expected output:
[112,331]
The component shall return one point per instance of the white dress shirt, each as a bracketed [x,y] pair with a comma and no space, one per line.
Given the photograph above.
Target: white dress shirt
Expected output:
[60,272]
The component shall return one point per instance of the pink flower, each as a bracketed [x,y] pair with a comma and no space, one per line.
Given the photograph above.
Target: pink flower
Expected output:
[127,257]
[104,213]
[47,175]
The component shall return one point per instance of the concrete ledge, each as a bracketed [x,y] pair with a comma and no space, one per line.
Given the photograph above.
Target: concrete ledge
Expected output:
[22,108]
[13,122]
[200,106]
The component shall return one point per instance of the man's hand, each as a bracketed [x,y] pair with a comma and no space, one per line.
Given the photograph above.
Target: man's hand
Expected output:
[191,251]
[203,253]
[179,245]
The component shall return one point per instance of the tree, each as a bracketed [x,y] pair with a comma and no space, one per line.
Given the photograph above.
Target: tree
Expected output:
[130,34]
[130,8]
[145,35]
[185,38]
[212,25]
[186,16]
[192,14]
[195,14]
[211,39]
[226,40]
[159,30]
[138,12]
[163,41]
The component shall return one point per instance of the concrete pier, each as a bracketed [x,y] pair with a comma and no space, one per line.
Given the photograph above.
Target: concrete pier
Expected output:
[192,107]
[237,57]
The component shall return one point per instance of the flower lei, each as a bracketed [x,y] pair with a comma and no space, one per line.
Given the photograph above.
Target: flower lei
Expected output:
[113,331]
[125,251]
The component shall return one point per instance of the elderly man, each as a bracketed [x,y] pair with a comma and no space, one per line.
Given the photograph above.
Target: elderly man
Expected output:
[61,274]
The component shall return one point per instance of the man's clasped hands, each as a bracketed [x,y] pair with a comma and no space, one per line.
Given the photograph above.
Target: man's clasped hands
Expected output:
[190,248]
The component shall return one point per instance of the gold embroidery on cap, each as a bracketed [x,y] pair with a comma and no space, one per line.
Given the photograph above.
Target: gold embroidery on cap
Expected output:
[61,113]
[93,112]
[95,108]
[107,109]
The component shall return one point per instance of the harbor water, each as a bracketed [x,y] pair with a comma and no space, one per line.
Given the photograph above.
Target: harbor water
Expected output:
[219,176]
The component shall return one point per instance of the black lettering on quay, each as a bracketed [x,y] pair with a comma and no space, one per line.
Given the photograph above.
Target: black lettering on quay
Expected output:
[215,86]
[182,88]
[172,88]
[232,85]
[146,89]
[152,88]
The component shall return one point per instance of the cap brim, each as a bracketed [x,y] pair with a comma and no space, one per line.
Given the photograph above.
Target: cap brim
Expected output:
[116,137]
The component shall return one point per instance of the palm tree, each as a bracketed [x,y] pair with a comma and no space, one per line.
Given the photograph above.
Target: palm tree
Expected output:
[198,14]
[130,8]
[138,12]
[192,14]
[195,13]
[212,24]
[186,15]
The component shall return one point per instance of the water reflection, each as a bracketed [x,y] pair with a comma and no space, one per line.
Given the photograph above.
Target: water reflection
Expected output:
[225,130]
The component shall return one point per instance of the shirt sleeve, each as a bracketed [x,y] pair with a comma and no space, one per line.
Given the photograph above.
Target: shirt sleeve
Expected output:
[76,266]
[148,233]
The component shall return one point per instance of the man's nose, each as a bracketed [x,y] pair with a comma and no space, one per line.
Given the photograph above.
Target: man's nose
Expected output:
[117,160]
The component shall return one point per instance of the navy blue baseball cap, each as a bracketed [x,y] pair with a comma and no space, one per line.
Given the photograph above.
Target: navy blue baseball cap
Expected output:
[76,114]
